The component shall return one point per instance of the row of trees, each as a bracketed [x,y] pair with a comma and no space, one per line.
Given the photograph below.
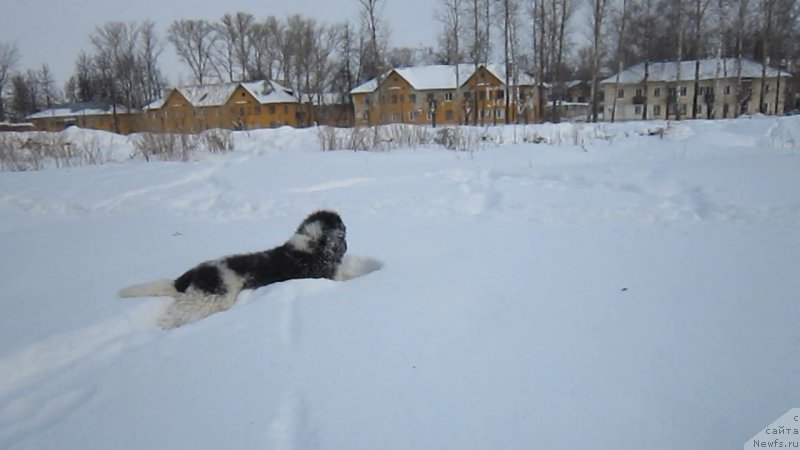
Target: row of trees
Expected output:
[554,40]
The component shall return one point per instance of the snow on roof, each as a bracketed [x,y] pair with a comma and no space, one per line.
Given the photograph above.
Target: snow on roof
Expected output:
[366,88]
[78,109]
[427,78]
[441,77]
[267,91]
[668,71]
[203,95]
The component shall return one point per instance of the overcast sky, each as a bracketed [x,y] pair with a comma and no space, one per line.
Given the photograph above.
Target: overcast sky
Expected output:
[55,31]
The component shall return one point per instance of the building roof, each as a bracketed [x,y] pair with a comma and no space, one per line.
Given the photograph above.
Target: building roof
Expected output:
[78,109]
[442,77]
[203,95]
[709,68]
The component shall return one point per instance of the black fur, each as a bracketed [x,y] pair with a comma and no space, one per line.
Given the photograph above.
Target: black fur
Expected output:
[311,253]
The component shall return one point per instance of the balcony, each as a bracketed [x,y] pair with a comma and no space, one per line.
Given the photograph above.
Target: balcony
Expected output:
[639,99]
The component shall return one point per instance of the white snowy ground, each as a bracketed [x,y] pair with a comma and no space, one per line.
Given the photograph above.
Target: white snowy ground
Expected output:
[630,292]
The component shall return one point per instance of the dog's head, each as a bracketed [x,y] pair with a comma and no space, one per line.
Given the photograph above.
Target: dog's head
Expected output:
[322,233]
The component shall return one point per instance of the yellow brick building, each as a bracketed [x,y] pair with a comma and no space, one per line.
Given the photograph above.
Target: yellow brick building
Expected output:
[235,106]
[446,95]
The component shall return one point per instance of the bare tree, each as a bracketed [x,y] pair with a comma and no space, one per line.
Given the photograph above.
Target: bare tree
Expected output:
[599,10]
[9,58]
[562,11]
[449,14]
[540,18]
[25,96]
[47,86]
[194,42]
[346,68]
[150,48]
[375,31]
[767,20]
[260,64]
[700,8]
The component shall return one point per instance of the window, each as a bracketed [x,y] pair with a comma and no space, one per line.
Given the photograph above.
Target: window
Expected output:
[467,95]
[482,95]
[683,109]
[272,109]
[394,98]
[621,93]
[396,117]
[365,115]
[657,92]
[500,95]
[656,110]
[672,92]
[637,110]
[412,98]
[430,116]
[683,91]
[500,113]
[699,109]
[725,110]
[448,96]
[766,88]
[727,90]
[638,92]
[413,116]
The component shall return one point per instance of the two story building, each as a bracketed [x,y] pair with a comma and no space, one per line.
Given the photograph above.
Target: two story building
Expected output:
[665,90]
[236,106]
[446,94]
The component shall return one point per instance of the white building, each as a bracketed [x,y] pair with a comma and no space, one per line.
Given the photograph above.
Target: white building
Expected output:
[666,90]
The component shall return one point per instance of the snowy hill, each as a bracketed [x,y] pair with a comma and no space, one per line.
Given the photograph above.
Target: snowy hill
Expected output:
[606,289]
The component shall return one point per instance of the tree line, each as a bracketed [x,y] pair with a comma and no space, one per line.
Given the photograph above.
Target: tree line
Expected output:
[553,40]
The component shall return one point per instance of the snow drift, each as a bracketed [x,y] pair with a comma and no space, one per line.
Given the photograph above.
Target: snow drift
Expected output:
[613,286]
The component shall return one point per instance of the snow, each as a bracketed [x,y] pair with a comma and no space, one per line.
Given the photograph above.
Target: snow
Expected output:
[607,289]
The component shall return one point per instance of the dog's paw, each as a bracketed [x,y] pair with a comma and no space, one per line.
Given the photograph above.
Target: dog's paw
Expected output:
[356,266]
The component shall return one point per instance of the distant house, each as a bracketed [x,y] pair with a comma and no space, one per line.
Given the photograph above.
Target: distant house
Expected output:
[8,126]
[334,110]
[662,94]
[446,94]
[94,115]
[235,106]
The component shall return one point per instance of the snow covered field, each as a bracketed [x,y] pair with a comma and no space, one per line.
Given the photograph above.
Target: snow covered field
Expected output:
[630,291]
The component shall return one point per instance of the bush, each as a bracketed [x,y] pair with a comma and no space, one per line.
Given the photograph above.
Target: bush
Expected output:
[217,140]
[165,147]
[34,150]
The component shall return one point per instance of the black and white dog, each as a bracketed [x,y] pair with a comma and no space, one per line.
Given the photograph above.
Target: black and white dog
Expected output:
[314,251]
